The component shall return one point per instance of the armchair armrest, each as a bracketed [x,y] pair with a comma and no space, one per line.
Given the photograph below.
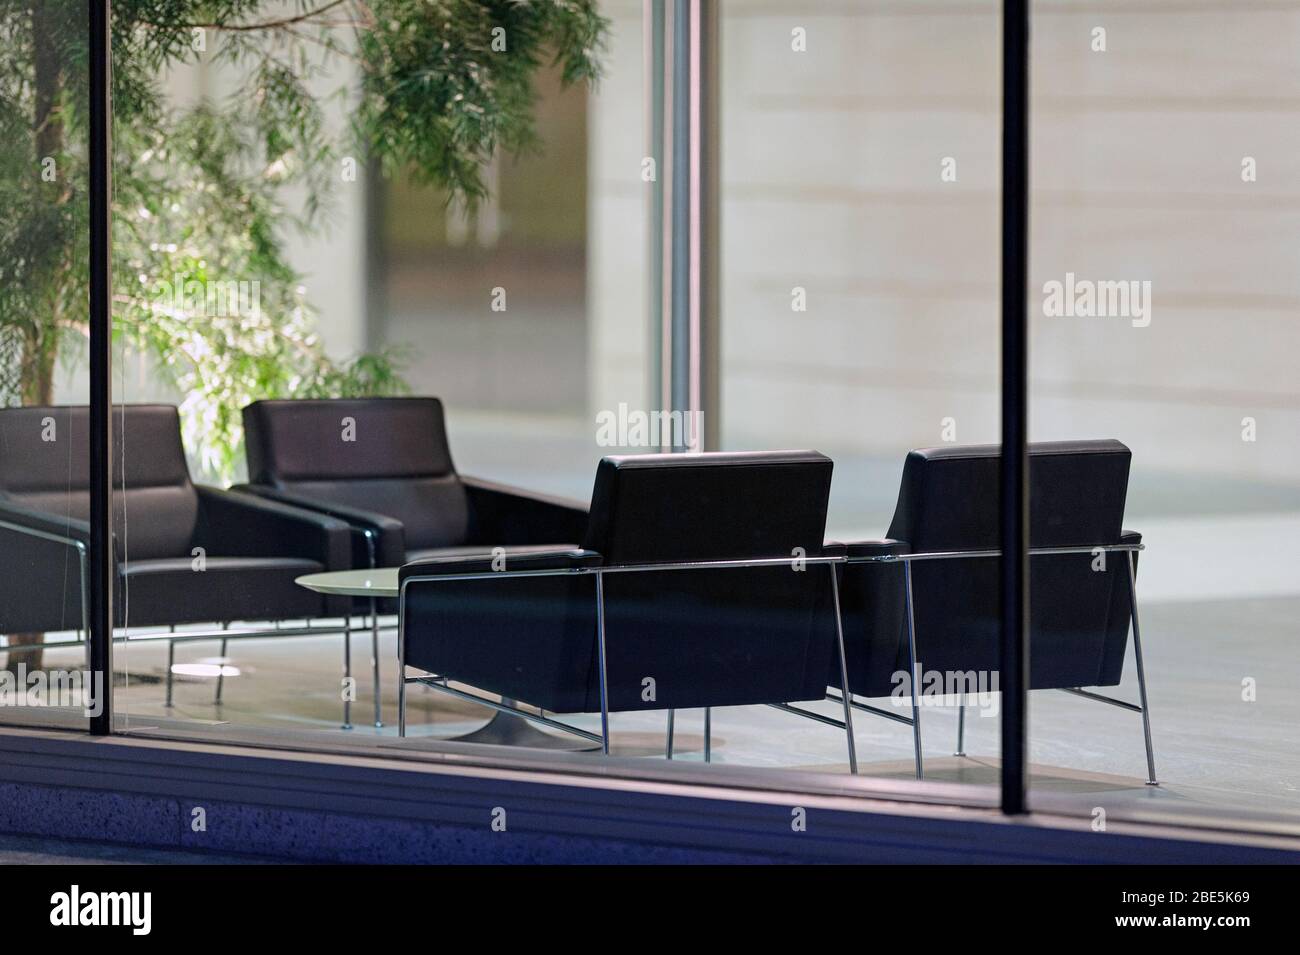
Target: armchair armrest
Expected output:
[523,635]
[885,547]
[388,534]
[550,560]
[235,524]
[501,514]
[43,525]
[43,584]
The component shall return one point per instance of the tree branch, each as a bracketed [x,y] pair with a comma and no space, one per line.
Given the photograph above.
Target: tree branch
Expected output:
[253,27]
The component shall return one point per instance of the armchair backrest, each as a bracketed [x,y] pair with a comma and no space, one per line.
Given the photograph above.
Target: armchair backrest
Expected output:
[45,465]
[726,636]
[654,508]
[387,455]
[948,501]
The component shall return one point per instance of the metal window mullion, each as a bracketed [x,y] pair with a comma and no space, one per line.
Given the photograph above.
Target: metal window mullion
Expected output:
[678,212]
[100,185]
[653,54]
[1013,489]
[681,57]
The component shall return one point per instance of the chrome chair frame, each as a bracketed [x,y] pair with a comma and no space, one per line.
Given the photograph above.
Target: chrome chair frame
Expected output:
[440,683]
[83,558]
[915,721]
[224,634]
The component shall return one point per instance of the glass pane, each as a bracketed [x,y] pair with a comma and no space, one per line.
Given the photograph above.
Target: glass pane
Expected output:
[860,264]
[346,212]
[1163,301]
[44,501]
[313,327]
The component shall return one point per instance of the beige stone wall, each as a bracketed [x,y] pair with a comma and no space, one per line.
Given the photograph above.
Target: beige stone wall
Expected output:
[831,182]
[617,323]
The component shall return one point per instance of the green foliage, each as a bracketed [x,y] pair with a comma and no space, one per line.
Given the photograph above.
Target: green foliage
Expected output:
[439,97]
[199,189]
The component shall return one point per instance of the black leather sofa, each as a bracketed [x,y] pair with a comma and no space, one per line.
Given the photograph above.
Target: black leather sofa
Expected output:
[948,504]
[185,553]
[585,631]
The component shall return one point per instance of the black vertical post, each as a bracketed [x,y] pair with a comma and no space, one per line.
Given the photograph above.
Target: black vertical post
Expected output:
[1015,417]
[101,408]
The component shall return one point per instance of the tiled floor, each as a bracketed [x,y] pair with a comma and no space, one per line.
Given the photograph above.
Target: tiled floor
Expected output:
[1214,750]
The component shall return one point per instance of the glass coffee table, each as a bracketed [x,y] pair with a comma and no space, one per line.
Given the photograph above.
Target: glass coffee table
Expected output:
[504,729]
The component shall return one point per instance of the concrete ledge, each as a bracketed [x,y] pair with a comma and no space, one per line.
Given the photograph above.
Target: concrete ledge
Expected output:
[315,807]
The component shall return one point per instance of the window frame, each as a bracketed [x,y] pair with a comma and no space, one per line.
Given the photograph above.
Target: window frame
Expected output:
[65,758]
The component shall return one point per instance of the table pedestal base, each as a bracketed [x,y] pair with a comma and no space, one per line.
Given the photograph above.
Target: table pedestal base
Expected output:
[507,730]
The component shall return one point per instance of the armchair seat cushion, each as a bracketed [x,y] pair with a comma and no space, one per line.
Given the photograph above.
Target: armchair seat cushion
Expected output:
[485,551]
[169,590]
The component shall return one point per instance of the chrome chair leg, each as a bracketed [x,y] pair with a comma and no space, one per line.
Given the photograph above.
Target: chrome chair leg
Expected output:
[708,734]
[221,665]
[171,662]
[374,663]
[911,654]
[1141,671]
[844,673]
[961,727]
[604,674]
[668,745]
[84,632]
[401,669]
[347,670]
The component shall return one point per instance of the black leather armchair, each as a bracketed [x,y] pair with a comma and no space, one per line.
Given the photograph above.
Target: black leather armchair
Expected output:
[383,465]
[651,613]
[907,613]
[185,553]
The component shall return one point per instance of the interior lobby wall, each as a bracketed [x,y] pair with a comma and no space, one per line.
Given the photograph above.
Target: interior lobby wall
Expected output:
[834,183]
[618,318]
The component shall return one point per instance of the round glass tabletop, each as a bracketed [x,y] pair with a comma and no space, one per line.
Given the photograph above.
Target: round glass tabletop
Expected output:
[378,582]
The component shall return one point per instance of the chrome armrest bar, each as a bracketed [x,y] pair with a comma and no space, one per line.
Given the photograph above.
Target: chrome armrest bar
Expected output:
[955,554]
[600,570]
[44,535]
